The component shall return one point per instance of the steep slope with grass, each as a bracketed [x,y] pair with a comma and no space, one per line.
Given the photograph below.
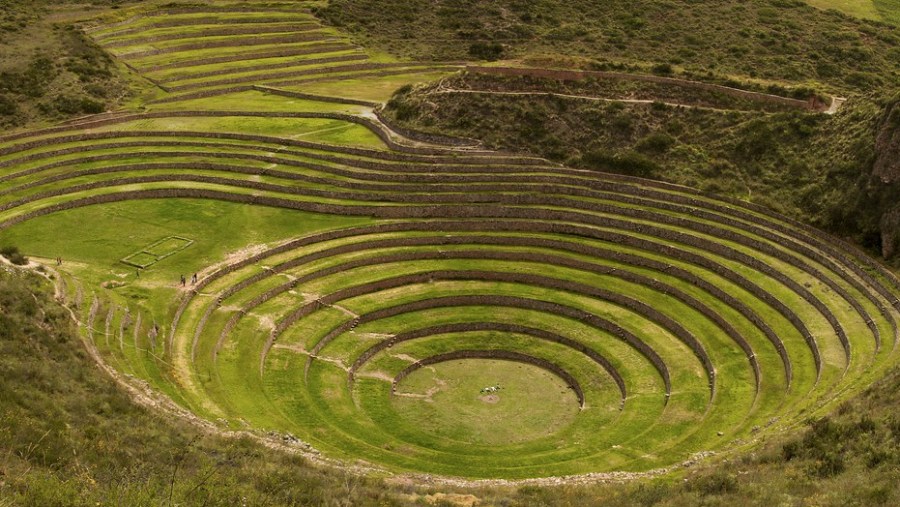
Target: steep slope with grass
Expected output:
[71,436]
[50,70]
[887,11]
[773,40]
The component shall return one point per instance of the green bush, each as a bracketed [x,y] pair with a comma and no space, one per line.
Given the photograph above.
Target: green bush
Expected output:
[403,90]
[651,494]
[629,163]
[489,51]
[716,483]
[829,464]
[72,105]
[655,143]
[32,81]
[662,69]
[12,253]
[403,110]
[8,107]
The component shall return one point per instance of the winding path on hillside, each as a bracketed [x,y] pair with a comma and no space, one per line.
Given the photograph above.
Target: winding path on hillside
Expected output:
[834,107]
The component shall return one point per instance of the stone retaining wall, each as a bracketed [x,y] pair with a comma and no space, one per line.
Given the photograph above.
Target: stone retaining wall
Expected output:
[310,96]
[277,27]
[191,22]
[193,46]
[269,66]
[495,212]
[454,301]
[466,327]
[329,208]
[312,49]
[527,242]
[298,73]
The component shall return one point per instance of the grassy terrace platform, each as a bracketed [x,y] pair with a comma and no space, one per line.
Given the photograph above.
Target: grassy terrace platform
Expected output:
[197,52]
[359,290]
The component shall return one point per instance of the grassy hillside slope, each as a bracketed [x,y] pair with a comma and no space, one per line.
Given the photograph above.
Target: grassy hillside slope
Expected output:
[70,436]
[772,40]
[49,70]
[882,10]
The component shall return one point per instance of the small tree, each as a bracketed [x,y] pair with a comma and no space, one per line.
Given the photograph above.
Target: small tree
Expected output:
[12,253]
[489,51]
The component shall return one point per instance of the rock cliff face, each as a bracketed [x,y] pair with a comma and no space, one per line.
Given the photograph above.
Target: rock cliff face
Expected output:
[887,146]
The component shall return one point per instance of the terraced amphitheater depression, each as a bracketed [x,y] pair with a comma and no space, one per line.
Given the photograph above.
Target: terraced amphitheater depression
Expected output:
[255,248]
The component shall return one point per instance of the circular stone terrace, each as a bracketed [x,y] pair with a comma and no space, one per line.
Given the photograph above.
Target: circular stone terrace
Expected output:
[485,316]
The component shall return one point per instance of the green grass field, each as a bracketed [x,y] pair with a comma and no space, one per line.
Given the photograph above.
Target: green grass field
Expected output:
[860,8]
[448,401]
[880,10]
[358,290]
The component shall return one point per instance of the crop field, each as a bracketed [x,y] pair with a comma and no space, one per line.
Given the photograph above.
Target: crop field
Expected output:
[418,304]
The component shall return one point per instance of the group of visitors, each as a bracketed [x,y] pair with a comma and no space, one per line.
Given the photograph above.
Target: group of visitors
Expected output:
[490,389]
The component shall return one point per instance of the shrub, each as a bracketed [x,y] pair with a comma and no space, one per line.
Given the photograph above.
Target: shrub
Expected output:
[489,51]
[717,483]
[31,81]
[630,163]
[566,33]
[893,425]
[404,90]
[790,451]
[12,253]
[71,105]
[829,464]
[651,494]
[87,70]
[827,442]
[657,142]
[662,69]
[863,80]
[8,107]
[622,123]
[404,110]
[96,90]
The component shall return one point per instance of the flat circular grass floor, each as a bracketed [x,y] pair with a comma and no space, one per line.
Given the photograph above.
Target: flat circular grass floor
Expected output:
[459,400]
